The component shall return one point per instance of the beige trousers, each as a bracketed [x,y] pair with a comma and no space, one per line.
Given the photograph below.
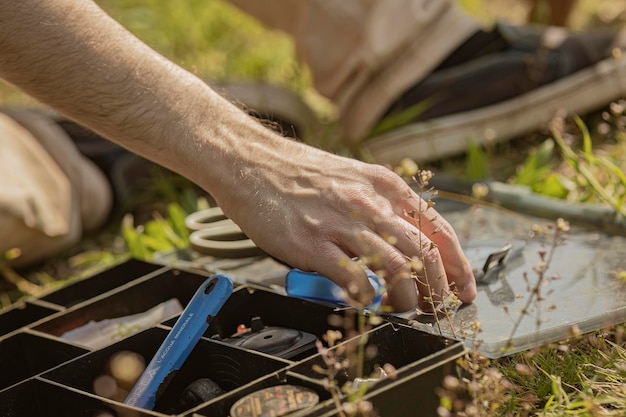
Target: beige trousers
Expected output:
[50,194]
[363,54]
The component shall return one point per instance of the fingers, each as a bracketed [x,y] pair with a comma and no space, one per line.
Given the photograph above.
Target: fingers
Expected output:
[346,273]
[418,256]
[444,249]
[410,263]
[422,260]
[378,254]
[439,248]
[432,281]
[390,264]
[366,211]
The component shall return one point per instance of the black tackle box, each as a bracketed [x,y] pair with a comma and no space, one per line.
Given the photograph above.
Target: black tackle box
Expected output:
[44,374]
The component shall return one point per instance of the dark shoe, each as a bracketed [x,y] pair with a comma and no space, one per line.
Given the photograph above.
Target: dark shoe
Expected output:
[502,84]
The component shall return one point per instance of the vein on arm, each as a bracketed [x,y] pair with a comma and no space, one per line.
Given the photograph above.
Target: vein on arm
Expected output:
[74,57]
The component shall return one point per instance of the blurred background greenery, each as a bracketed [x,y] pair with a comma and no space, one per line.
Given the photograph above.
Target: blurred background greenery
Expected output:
[217,42]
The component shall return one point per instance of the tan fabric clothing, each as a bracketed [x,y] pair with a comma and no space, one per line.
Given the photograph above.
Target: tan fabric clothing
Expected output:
[50,193]
[365,53]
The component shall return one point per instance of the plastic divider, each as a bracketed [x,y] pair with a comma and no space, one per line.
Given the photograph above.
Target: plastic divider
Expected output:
[21,315]
[228,366]
[24,355]
[131,299]
[100,283]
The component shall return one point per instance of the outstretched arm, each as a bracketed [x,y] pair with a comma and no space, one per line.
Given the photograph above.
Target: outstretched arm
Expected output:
[313,210]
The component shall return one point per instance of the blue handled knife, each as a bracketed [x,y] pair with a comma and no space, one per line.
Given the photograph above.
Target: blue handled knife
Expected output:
[190,326]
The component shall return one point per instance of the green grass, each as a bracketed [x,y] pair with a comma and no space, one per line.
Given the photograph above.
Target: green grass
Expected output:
[210,38]
[213,39]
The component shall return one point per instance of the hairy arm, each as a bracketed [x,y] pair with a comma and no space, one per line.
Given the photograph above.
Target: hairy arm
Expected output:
[309,208]
[75,58]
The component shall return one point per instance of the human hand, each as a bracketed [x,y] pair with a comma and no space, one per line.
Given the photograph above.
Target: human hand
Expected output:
[311,209]
[317,211]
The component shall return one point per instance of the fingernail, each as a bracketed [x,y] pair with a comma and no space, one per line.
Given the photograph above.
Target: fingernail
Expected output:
[469,292]
[367,296]
[363,296]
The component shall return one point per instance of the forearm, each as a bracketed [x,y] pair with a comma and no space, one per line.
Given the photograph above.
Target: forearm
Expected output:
[313,210]
[72,56]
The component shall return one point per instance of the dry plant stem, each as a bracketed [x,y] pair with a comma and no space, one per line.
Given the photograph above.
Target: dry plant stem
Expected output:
[360,353]
[535,293]
[423,183]
[331,373]
[354,351]
[469,221]
[431,302]
[479,192]
[469,200]
[449,319]
[337,401]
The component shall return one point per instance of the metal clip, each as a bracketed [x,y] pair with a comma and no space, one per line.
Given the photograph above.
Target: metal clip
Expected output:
[495,262]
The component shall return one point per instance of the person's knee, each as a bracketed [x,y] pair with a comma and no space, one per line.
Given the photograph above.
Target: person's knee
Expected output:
[51,194]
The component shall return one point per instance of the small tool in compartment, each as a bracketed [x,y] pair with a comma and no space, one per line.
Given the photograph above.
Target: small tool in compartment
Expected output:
[276,401]
[193,322]
[277,341]
[199,391]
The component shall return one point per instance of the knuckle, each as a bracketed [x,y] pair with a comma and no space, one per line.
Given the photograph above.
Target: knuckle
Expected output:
[357,198]
[446,230]
[397,266]
[430,254]
[385,176]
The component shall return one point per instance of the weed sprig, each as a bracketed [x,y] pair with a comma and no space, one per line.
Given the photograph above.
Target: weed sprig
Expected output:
[439,304]
[556,235]
[345,359]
